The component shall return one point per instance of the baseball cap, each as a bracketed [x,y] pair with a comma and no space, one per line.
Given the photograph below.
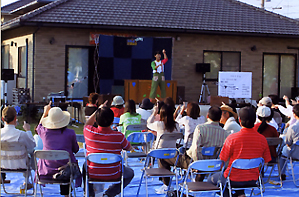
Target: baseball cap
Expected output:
[263,111]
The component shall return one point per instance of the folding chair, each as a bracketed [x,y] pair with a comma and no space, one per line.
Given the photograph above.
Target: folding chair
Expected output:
[275,141]
[202,167]
[104,158]
[163,153]
[80,138]
[144,139]
[135,128]
[246,164]
[293,161]
[13,147]
[170,137]
[53,155]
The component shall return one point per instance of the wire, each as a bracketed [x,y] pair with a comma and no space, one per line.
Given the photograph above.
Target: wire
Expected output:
[96,58]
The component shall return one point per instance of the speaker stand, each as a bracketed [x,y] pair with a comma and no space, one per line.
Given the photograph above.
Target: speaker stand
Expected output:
[5,93]
[204,87]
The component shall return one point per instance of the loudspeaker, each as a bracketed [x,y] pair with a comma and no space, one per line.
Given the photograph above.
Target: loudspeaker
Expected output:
[294,92]
[7,74]
[203,67]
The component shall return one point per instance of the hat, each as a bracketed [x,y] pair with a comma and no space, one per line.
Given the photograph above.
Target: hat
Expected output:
[146,104]
[229,109]
[8,114]
[56,119]
[266,101]
[263,111]
[118,100]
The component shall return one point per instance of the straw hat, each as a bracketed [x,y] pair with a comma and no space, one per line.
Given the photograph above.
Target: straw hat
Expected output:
[229,109]
[118,100]
[56,119]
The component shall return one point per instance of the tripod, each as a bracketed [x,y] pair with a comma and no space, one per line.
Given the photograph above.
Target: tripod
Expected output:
[204,87]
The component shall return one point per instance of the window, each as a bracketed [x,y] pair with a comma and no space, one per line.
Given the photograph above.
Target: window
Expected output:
[5,57]
[22,61]
[222,61]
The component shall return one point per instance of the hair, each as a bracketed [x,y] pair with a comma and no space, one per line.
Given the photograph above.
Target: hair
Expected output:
[93,97]
[296,110]
[104,117]
[215,113]
[274,98]
[169,101]
[193,110]
[118,106]
[130,106]
[263,126]
[9,114]
[166,115]
[157,52]
[160,104]
[247,116]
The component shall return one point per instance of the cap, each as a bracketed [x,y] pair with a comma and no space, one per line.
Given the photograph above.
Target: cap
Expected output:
[263,111]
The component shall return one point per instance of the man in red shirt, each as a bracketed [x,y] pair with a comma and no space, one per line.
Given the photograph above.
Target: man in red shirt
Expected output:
[104,140]
[245,144]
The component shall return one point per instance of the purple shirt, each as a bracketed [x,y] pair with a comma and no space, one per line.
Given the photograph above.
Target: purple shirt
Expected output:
[55,140]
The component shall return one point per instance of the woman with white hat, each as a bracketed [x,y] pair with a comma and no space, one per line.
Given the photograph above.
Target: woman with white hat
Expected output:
[117,106]
[55,135]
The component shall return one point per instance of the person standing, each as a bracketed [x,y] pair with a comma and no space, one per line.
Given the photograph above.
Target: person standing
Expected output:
[158,75]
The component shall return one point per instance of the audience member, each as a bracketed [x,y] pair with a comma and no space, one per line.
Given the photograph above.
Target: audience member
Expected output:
[266,101]
[228,118]
[288,111]
[265,115]
[117,106]
[130,117]
[291,137]
[276,115]
[145,109]
[55,135]
[159,104]
[170,102]
[92,104]
[10,134]
[104,140]
[190,121]
[245,144]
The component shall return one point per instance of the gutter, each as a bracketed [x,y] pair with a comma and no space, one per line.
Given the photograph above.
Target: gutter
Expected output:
[26,81]
[33,60]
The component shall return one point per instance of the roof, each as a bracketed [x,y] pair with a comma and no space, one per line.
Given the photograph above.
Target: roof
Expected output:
[15,5]
[226,16]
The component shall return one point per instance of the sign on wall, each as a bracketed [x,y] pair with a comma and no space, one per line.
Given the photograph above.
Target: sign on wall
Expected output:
[235,84]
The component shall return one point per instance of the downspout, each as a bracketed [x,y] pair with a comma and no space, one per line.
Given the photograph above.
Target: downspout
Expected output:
[26,79]
[33,62]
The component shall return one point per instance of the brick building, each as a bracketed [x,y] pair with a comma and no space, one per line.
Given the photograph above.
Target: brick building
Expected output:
[48,44]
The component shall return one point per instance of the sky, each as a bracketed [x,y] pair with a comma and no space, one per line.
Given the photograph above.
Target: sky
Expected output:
[289,8]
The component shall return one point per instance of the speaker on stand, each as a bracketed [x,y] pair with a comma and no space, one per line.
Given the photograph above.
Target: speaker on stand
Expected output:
[203,68]
[6,75]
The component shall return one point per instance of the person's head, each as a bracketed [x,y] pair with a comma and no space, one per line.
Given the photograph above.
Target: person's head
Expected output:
[193,110]
[9,115]
[214,113]
[157,55]
[297,99]
[264,114]
[266,101]
[166,115]
[146,104]
[118,101]
[296,110]
[247,117]
[160,104]
[93,98]
[130,107]
[169,101]
[227,112]
[104,117]
[56,119]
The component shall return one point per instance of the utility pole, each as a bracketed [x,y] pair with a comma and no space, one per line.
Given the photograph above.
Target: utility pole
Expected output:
[263,4]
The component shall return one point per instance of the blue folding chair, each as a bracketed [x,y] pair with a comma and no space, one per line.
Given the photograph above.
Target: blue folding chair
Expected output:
[246,164]
[293,161]
[202,167]
[104,158]
[163,153]
[144,139]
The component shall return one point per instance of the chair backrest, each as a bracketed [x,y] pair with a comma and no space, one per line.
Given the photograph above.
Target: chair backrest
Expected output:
[209,151]
[104,158]
[172,136]
[246,164]
[52,154]
[210,165]
[12,146]
[163,153]
[80,138]
[116,120]
[295,149]
[140,137]
[274,141]
[136,127]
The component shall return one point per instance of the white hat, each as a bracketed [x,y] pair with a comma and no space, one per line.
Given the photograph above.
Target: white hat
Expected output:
[118,100]
[263,111]
[56,119]
[266,101]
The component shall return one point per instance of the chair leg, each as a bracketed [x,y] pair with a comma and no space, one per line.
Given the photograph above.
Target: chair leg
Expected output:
[26,182]
[140,183]
[229,189]
[35,188]
[293,173]
[146,192]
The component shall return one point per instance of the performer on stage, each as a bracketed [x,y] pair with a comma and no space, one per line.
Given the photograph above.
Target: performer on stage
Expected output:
[158,75]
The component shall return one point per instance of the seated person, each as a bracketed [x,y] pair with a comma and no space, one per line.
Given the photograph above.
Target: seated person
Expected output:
[245,144]
[92,105]
[10,134]
[55,135]
[114,142]
[229,119]
[117,106]
[145,109]
[130,117]
[190,121]
[265,115]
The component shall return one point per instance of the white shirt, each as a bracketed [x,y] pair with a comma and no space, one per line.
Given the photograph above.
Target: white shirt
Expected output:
[288,112]
[160,69]
[190,124]
[231,125]
[145,114]
[272,122]
[10,134]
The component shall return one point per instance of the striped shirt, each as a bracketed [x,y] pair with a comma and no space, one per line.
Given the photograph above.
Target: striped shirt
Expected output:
[104,140]
[246,144]
[209,134]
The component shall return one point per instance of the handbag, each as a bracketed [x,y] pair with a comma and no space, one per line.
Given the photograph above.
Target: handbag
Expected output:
[65,172]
